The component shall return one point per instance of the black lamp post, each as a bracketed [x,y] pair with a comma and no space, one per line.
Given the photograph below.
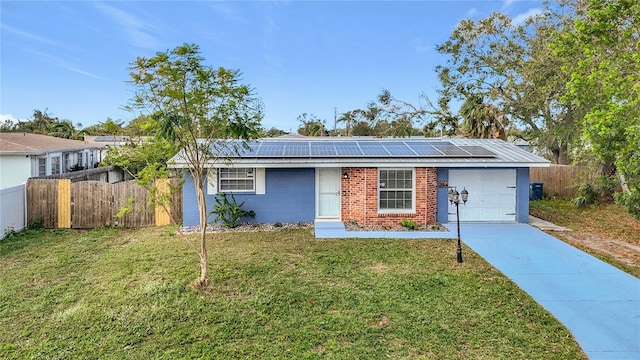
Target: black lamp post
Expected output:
[454,198]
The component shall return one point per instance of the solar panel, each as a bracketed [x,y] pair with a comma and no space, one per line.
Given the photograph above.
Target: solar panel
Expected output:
[478,151]
[296,149]
[372,149]
[347,148]
[436,143]
[270,149]
[331,148]
[398,148]
[451,150]
[222,149]
[423,149]
[249,149]
[322,148]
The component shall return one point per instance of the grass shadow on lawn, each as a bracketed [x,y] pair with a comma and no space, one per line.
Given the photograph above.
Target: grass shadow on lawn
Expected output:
[113,293]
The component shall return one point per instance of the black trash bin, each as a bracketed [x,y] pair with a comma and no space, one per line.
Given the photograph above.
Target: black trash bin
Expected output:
[535,191]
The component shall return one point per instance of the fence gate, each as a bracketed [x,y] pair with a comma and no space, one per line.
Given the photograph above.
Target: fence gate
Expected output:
[59,203]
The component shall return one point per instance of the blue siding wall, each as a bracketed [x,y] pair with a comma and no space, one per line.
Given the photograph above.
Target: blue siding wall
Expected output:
[522,195]
[290,197]
[190,215]
[443,200]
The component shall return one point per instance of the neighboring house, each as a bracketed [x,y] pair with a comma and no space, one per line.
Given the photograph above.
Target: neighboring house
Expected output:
[107,141]
[25,155]
[371,181]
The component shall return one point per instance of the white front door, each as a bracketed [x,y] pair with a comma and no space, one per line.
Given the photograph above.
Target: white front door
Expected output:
[492,194]
[328,193]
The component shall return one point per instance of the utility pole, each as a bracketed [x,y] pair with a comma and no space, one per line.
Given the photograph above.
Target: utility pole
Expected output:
[335,118]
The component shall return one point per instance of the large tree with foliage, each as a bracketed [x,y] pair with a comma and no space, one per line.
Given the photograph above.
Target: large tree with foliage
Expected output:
[389,116]
[606,80]
[199,108]
[405,117]
[310,125]
[511,67]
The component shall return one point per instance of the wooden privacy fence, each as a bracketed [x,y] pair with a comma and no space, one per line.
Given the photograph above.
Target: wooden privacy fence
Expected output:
[558,180]
[59,203]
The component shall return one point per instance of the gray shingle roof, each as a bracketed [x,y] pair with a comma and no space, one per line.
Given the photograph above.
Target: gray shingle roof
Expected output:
[26,143]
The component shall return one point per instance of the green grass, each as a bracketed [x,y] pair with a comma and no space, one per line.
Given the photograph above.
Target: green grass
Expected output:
[120,294]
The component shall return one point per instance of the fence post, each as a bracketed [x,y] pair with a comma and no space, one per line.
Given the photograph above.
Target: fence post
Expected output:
[163,193]
[64,203]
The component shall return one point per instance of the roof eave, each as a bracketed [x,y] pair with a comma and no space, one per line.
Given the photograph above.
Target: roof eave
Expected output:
[23,153]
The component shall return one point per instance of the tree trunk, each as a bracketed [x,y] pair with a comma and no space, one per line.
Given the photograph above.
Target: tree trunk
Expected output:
[563,155]
[202,207]
[623,183]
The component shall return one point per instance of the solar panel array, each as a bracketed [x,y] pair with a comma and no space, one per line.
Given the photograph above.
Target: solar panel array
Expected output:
[366,149]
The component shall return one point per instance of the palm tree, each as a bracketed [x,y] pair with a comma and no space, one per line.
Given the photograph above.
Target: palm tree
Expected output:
[348,119]
[401,128]
[64,129]
[482,120]
[41,122]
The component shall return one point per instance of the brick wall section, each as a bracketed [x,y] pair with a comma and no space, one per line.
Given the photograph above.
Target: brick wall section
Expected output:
[360,198]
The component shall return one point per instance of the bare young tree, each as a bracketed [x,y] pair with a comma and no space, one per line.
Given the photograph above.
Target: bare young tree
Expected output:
[199,108]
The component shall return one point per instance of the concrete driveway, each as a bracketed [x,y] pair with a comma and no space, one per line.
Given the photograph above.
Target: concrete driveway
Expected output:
[598,303]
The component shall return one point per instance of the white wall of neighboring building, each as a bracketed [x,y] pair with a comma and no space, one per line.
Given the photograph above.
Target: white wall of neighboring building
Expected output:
[12,209]
[14,170]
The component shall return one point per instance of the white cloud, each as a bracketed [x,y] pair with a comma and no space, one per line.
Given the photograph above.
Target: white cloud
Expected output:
[59,62]
[5,117]
[521,18]
[138,31]
[472,12]
[32,37]
[26,35]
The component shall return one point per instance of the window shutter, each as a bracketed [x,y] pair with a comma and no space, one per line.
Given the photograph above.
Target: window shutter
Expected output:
[261,188]
[212,182]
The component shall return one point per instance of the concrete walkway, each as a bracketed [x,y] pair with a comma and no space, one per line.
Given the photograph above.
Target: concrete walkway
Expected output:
[545,225]
[336,230]
[598,303]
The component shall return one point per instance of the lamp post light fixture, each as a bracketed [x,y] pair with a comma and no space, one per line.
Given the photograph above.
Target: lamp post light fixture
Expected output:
[454,198]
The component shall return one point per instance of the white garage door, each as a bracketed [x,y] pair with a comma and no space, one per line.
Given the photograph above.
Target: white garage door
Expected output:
[492,195]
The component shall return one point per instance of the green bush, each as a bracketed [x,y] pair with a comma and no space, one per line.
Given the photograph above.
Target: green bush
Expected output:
[587,195]
[36,224]
[631,201]
[409,224]
[228,211]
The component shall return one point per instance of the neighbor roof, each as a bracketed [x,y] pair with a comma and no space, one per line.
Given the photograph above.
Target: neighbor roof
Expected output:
[372,152]
[36,144]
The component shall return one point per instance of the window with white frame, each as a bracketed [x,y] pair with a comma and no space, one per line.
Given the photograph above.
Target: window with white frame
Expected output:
[42,166]
[55,165]
[396,192]
[236,180]
[66,162]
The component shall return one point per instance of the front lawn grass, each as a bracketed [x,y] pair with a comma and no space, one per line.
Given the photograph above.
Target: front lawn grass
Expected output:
[117,294]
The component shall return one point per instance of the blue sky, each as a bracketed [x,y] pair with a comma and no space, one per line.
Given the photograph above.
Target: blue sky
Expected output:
[71,57]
